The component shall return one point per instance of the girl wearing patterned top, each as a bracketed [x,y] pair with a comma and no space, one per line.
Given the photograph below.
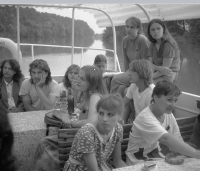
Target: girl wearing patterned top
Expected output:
[95,142]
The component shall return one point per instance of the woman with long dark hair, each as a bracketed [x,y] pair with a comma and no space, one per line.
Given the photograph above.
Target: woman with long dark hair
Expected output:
[163,53]
[11,79]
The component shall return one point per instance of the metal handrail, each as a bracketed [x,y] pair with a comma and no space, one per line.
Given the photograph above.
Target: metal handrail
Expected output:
[82,48]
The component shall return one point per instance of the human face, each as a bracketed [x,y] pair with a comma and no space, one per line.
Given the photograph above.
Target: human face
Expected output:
[8,72]
[131,30]
[101,66]
[166,104]
[73,75]
[107,120]
[82,83]
[134,77]
[156,31]
[36,75]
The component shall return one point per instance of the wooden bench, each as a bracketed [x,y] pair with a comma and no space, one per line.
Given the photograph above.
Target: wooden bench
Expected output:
[65,140]
[186,126]
[66,137]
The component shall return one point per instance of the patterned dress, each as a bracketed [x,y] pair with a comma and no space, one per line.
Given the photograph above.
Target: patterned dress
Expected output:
[88,140]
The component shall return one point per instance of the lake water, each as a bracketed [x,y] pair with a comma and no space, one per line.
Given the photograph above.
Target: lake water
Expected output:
[189,75]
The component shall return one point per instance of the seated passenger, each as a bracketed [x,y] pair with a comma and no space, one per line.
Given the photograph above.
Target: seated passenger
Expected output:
[135,46]
[139,93]
[156,124]
[6,142]
[94,143]
[91,83]
[40,91]
[69,81]
[164,53]
[11,79]
[100,62]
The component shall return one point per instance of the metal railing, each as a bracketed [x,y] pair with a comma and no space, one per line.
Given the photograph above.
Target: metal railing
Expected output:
[82,48]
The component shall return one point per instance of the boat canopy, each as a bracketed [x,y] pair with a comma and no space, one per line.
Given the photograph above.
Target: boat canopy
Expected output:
[120,12]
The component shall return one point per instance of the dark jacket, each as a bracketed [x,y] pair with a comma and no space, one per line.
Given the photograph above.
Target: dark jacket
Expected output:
[15,92]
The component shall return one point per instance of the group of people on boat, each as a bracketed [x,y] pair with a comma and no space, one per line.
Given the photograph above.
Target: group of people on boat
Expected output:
[144,95]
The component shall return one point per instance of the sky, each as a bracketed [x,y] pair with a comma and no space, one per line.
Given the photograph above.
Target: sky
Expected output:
[79,14]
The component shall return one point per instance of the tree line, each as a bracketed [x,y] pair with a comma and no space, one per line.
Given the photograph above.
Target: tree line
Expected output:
[36,25]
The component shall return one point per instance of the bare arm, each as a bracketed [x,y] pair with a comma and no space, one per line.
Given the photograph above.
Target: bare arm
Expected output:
[179,146]
[126,101]
[162,70]
[117,160]
[91,162]
[48,102]
[126,114]
[92,114]
[27,103]
[126,60]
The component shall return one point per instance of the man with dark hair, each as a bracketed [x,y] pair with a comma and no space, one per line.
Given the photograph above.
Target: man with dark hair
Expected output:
[40,91]
[11,79]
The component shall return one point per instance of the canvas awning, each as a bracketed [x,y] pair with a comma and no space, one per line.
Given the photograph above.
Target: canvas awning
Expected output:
[120,12]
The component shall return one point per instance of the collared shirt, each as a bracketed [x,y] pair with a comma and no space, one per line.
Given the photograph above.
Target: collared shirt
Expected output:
[11,102]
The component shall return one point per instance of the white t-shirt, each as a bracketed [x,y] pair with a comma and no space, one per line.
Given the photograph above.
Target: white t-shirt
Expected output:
[146,131]
[52,89]
[140,100]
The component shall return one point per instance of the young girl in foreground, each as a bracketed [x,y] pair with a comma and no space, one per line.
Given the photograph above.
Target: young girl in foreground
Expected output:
[156,124]
[95,142]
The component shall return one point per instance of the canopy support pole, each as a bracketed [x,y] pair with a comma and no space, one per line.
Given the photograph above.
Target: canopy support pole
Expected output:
[72,57]
[145,11]
[18,37]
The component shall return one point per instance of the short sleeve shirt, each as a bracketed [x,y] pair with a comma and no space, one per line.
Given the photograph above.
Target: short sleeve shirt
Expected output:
[88,140]
[147,130]
[27,88]
[169,52]
[140,99]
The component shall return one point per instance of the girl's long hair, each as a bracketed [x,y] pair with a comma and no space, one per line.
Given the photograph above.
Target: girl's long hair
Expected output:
[94,78]
[15,67]
[166,35]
